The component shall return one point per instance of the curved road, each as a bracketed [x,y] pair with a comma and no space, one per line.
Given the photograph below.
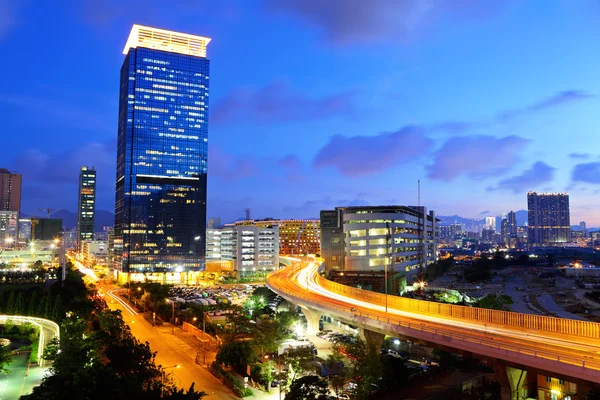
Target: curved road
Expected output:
[569,355]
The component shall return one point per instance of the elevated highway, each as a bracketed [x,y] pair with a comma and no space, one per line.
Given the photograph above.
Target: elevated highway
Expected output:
[48,330]
[566,349]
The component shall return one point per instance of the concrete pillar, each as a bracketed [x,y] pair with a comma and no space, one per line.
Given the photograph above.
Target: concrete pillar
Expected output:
[373,339]
[312,320]
[514,383]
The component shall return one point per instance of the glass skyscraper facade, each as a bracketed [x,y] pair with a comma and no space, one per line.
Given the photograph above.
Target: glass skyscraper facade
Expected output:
[549,220]
[160,208]
[86,208]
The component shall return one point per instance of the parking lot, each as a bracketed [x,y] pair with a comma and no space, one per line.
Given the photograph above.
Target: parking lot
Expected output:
[214,295]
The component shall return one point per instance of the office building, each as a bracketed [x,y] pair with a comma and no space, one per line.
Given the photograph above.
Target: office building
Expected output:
[512,224]
[296,236]
[94,252]
[160,207]
[9,228]
[86,208]
[24,229]
[252,248]
[400,238]
[10,191]
[548,218]
[45,228]
[490,223]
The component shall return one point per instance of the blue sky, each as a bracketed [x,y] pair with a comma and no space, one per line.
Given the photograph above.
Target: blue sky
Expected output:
[320,104]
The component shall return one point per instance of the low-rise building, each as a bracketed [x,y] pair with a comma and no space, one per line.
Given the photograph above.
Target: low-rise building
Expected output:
[94,252]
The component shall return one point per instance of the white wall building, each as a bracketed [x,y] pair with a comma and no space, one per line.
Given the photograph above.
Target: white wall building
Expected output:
[252,248]
[404,238]
[490,223]
[95,252]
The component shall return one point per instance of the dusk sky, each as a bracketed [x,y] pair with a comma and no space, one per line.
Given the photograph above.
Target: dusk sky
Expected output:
[316,104]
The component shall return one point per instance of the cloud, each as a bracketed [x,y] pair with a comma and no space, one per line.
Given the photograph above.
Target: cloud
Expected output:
[558,99]
[582,156]
[293,168]
[277,102]
[586,172]
[539,173]
[484,212]
[364,155]
[227,167]
[476,156]
[347,22]
[51,180]
[312,208]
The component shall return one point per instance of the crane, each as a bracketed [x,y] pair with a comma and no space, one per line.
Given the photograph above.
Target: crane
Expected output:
[48,210]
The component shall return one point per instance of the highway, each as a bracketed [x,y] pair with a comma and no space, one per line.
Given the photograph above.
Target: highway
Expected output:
[170,350]
[567,354]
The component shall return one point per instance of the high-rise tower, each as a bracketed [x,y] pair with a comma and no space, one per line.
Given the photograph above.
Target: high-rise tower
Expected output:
[86,206]
[548,218]
[10,191]
[160,207]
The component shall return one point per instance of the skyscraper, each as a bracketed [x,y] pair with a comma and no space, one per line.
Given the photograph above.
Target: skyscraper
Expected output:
[10,191]
[160,207]
[86,208]
[548,218]
[512,224]
[490,223]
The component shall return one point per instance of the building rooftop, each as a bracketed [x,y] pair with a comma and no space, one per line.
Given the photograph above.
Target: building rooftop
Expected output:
[161,39]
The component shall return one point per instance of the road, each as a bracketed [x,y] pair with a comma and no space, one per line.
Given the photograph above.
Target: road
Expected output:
[171,350]
[567,350]
[19,381]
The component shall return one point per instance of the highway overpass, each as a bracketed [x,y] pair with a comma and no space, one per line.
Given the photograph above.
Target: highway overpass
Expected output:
[562,348]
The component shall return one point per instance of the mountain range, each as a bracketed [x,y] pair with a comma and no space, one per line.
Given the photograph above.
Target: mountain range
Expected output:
[103,218]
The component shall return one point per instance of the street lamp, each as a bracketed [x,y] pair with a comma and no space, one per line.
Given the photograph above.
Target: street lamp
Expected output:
[172,314]
[162,378]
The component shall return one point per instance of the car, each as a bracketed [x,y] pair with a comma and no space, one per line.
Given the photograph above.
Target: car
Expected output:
[429,362]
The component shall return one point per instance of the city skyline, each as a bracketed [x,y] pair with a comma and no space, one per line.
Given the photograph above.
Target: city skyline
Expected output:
[484,152]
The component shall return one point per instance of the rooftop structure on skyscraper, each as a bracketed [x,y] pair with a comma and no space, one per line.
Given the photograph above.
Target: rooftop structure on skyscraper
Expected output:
[160,207]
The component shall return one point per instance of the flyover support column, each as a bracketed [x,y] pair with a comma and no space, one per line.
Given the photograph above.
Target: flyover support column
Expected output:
[514,383]
[373,339]
[312,320]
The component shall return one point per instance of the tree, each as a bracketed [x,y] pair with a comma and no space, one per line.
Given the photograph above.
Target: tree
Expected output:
[38,265]
[57,311]
[395,374]
[269,335]
[20,305]
[238,324]
[495,302]
[33,302]
[337,372]
[5,358]
[366,363]
[308,387]
[300,360]
[41,308]
[48,307]
[236,355]
[10,304]
[287,319]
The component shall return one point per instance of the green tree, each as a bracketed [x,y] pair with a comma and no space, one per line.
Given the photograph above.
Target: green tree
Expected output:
[48,307]
[20,305]
[238,324]
[41,308]
[10,304]
[338,372]
[300,360]
[236,355]
[38,265]
[287,319]
[365,363]
[495,302]
[309,387]
[33,303]
[57,310]
[269,335]
[5,358]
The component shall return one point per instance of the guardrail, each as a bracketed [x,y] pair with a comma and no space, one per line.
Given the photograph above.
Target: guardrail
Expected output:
[575,365]
[560,326]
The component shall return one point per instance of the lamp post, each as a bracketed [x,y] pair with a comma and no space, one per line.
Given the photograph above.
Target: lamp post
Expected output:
[172,315]
[162,379]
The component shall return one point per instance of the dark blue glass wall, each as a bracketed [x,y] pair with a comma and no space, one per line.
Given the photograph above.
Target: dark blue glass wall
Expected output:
[160,208]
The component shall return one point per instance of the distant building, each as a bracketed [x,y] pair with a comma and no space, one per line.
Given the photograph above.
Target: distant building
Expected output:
[296,236]
[450,232]
[251,248]
[24,229]
[490,223]
[45,228]
[9,228]
[86,208]
[512,224]
[95,252]
[504,232]
[10,191]
[548,218]
[162,156]
[214,223]
[403,238]
[583,229]
[487,235]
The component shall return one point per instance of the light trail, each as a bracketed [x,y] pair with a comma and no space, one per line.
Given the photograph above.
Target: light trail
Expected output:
[571,350]
[122,302]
